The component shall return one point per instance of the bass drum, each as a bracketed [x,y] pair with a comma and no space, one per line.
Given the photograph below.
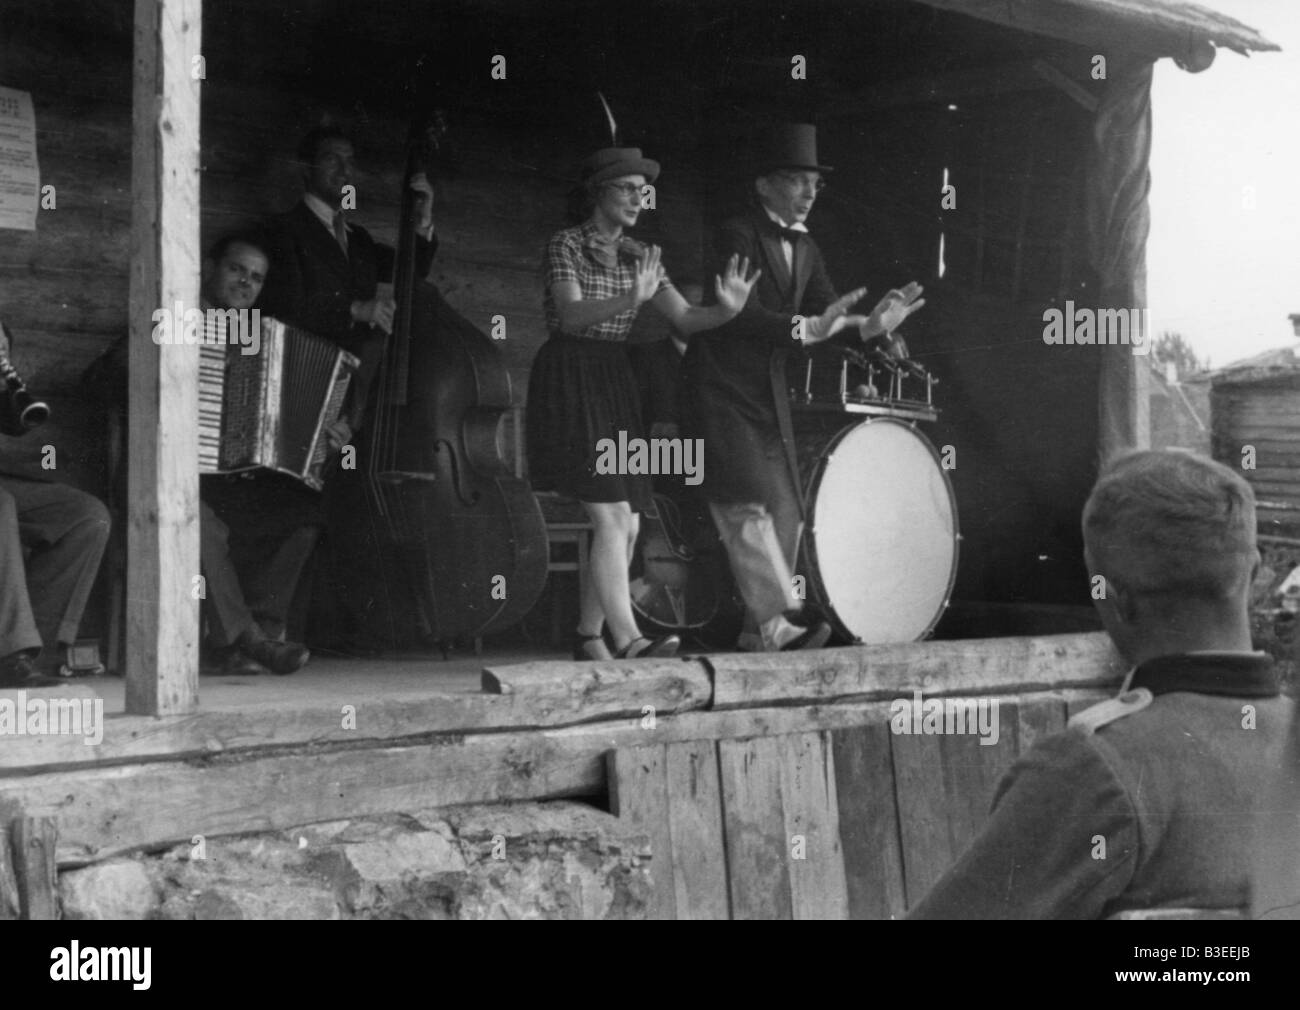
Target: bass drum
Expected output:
[879,548]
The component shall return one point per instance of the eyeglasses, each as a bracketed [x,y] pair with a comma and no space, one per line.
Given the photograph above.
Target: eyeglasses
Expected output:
[625,188]
[800,180]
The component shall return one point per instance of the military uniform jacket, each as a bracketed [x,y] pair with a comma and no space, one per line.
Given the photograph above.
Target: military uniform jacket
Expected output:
[734,392]
[1145,801]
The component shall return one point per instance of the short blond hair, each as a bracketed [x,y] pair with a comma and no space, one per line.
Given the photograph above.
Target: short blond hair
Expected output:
[1172,522]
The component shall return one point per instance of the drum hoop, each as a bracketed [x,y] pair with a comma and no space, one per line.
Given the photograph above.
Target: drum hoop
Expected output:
[808,549]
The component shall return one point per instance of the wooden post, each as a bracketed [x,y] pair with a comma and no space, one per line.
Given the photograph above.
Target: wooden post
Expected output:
[10,903]
[1118,220]
[33,845]
[163,531]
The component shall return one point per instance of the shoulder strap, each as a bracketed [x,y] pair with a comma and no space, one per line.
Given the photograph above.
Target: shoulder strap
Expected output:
[1092,719]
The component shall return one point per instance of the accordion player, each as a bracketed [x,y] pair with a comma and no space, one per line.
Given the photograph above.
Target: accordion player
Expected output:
[270,409]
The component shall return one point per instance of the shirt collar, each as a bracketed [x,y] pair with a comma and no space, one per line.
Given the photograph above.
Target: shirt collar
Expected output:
[1237,674]
[797,226]
[323,211]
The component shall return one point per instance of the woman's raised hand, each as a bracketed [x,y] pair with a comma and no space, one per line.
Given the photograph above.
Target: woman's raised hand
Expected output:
[735,284]
[649,274]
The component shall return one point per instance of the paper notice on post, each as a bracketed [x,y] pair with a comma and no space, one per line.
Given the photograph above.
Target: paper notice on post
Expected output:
[20,176]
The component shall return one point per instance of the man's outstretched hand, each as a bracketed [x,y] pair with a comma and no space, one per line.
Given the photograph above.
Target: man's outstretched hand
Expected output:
[892,311]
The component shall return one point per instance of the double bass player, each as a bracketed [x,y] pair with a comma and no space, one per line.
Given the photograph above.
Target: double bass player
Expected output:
[324,278]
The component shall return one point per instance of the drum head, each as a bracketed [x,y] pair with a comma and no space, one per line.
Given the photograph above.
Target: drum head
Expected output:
[882,538]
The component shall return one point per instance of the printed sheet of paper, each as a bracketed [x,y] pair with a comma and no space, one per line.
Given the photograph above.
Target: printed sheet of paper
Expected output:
[20,176]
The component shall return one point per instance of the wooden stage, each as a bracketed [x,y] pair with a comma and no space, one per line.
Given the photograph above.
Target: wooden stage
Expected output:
[721,759]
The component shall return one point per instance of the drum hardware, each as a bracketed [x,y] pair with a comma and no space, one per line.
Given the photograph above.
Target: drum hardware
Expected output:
[865,398]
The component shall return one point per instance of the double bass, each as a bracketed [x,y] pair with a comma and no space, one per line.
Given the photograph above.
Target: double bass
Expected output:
[463,538]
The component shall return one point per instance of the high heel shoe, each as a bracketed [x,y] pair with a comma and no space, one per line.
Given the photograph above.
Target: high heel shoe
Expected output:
[590,647]
[664,646]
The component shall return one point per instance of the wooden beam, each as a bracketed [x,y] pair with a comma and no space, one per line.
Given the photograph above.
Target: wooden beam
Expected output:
[584,691]
[10,904]
[638,794]
[163,535]
[695,826]
[105,811]
[881,671]
[34,840]
[1154,29]
[963,667]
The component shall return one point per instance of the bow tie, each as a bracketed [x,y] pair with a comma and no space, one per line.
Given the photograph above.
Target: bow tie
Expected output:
[606,251]
[791,235]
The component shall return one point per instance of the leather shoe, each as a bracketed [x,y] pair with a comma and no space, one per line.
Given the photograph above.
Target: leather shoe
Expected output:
[230,662]
[590,647]
[19,669]
[278,657]
[814,637]
[665,645]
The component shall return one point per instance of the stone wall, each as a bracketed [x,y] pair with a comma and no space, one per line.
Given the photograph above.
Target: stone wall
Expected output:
[557,860]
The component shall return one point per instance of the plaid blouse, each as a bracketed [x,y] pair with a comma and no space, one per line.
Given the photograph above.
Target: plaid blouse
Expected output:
[570,257]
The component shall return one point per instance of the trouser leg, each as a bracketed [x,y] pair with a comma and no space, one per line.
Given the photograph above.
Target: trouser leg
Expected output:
[758,559]
[227,611]
[17,624]
[762,542]
[67,531]
[270,589]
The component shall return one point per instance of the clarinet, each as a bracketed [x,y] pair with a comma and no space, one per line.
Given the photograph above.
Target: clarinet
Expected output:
[20,411]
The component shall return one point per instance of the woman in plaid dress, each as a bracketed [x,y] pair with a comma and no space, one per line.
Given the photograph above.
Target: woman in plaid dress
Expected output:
[582,388]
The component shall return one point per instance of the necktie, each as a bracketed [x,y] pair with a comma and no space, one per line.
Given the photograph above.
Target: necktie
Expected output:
[790,235]
[341,232]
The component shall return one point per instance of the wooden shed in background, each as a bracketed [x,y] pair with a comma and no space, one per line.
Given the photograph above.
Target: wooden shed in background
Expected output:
[1255,409]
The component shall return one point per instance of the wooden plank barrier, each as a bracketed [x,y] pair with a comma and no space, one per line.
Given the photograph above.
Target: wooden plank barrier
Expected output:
[864,801]
[857,822]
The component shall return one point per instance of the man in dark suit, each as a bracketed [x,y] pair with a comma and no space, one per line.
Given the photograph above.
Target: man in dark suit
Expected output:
[326,270]
[735,392]
[42,598]
[324,278]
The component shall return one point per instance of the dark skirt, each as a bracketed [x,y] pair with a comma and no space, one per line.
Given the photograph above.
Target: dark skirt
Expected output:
[581,391]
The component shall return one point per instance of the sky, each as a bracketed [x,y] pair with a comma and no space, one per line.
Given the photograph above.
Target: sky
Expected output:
[1223,259]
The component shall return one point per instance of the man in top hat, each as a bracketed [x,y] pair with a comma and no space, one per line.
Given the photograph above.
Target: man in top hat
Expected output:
[735,393]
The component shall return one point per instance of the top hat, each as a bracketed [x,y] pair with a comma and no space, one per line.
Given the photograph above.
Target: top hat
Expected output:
[788,145]
[612,162]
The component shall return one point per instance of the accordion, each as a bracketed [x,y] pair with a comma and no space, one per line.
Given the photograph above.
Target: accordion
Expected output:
[269,410]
